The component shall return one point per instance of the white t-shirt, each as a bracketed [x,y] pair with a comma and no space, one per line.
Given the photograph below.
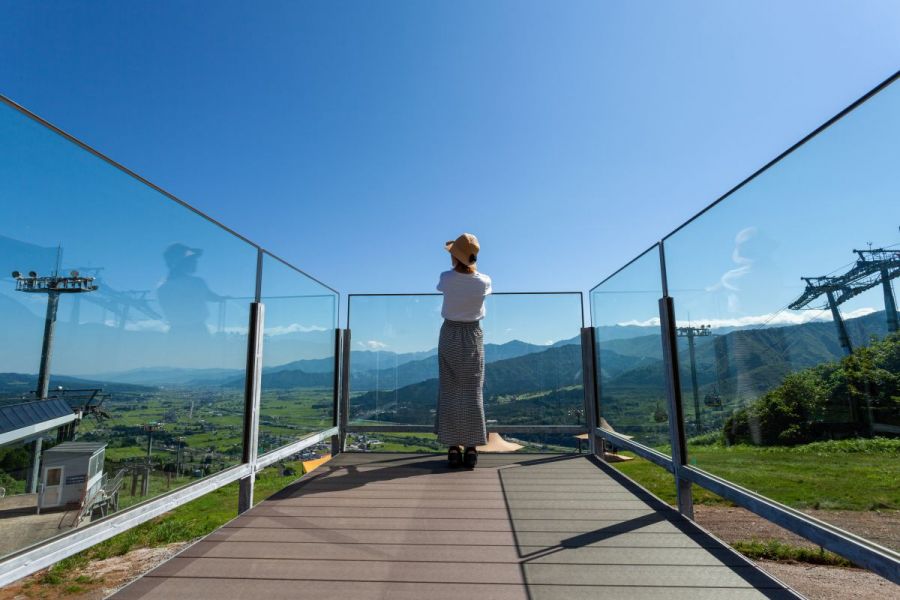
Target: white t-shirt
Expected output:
[464,295]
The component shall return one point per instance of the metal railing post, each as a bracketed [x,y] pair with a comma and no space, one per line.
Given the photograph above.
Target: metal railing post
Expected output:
[252,392]
[589,379]
[673,393]
[337,409]
[344,411]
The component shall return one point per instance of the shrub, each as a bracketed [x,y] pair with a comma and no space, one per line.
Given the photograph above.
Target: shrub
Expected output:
[832,400]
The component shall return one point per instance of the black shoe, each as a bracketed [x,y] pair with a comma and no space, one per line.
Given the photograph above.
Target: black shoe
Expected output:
[454,457]
[471,458]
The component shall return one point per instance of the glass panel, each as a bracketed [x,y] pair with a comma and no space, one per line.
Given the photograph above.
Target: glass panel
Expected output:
[532,370]
[625,314]
[149,344]
[298,356]
[774,398]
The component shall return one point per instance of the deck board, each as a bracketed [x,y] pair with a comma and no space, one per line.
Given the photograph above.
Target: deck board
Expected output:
[535,527]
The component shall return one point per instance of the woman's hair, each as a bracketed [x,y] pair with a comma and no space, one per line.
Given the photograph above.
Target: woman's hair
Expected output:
[459,267]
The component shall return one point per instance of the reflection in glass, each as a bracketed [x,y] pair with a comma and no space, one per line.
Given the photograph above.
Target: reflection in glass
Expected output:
[146,370]
[532,364]
[791,280]
[625,313]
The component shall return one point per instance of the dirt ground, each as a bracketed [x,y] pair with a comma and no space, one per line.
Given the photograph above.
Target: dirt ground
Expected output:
[816,582]
[108,575]
[832,583]
[733,524]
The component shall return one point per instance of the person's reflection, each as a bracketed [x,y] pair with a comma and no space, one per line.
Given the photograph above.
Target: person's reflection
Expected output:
[183,296]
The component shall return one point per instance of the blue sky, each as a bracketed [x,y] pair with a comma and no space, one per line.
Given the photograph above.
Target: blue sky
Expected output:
[353,138]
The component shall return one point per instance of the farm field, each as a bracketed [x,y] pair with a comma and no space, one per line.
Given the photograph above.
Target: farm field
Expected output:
[196,432]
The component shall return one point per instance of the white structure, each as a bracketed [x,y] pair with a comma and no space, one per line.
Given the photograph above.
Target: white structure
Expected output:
[72,472]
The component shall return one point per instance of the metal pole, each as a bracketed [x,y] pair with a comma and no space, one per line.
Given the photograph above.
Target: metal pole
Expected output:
[673,390]
[676,416]
[252,392]
[697,420]
[35,474]
[890,306]
[345,389]
[336,405]
[43,387]
[589,379]
[843,337]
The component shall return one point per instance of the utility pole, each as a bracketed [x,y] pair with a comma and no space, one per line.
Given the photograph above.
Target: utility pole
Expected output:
[149,428]
[53,286]
[690,333]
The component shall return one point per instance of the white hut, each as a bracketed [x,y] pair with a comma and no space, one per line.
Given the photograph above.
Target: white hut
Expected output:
[72,471]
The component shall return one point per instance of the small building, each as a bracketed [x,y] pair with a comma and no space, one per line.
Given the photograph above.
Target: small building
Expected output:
[72,472]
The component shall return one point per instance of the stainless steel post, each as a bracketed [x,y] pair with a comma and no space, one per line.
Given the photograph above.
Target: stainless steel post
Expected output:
[337,409]
[676,414]
[668,330]
[252,392]
[345,389]
[589,379]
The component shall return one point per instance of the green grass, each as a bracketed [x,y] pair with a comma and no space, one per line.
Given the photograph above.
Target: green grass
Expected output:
[660,482]
[187,522]
[858,474]
[775,550]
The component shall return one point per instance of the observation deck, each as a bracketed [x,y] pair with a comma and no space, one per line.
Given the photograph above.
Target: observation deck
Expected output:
[219,361]
[519,526]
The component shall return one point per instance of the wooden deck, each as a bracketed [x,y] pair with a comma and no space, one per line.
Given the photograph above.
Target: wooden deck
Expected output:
[518,527]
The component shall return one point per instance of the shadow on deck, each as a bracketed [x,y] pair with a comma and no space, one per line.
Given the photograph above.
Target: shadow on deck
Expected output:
[518,527]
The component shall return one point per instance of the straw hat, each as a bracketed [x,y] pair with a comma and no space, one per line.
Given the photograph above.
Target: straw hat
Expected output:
[464,248]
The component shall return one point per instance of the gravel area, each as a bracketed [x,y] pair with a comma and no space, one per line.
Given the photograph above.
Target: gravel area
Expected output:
[832,583]
[816,582]
[734,524]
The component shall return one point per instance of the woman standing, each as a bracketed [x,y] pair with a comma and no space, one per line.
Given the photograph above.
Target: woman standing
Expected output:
[460,411]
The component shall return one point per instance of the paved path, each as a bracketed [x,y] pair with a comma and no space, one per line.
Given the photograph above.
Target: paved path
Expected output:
[519,527]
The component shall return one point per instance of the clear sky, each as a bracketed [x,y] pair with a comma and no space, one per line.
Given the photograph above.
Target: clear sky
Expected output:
[354,138]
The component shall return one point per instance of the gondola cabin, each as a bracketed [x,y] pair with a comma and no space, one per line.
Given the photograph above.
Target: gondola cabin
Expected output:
[71,471]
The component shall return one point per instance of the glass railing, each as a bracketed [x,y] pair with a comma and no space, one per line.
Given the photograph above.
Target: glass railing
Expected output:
[298,356]
[629,359]
[532,367]
[787,327]
[146,356]
[785,338]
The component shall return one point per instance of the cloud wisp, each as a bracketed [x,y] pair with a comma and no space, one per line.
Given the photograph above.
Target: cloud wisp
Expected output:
[770,319]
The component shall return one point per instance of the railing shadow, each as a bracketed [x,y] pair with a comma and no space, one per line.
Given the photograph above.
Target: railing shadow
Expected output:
[662,512]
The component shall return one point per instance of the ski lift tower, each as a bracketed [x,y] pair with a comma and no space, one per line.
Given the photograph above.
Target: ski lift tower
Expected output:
[53,286]
[882,265]
[874,267]
[690,333]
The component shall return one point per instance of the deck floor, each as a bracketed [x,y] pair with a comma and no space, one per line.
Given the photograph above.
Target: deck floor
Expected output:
[520,526]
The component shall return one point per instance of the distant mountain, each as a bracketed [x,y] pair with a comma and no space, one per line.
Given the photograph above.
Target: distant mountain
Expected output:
[550,369]
[397,376]
[294,378]
[739,365]
[360,359]
[21,384]
[170,376]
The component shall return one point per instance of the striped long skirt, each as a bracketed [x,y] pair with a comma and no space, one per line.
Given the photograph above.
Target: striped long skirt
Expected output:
[460,409]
